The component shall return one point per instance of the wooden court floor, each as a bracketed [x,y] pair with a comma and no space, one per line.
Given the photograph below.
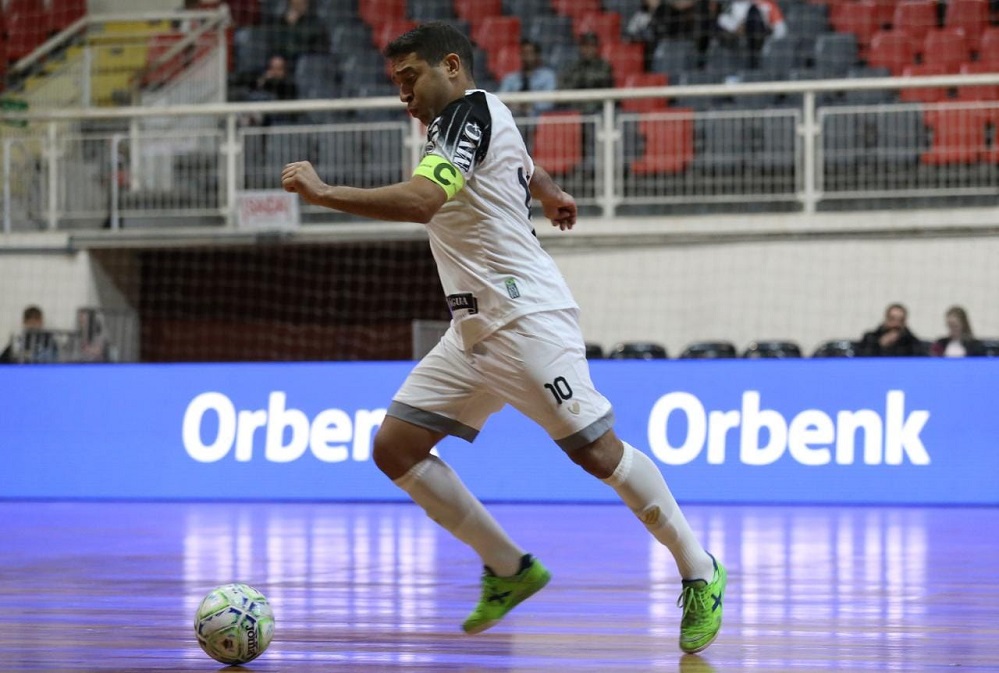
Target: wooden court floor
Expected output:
[114,586]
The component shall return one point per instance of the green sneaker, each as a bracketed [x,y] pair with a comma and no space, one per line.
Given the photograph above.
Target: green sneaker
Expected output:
[502,594]
[702,610]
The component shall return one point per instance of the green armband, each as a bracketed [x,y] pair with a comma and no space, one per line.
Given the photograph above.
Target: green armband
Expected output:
[441,172]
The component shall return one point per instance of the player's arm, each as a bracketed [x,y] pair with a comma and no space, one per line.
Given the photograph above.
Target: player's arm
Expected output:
[558,206]
[417,200]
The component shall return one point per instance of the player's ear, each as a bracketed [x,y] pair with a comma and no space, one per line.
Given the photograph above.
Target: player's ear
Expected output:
[452,64]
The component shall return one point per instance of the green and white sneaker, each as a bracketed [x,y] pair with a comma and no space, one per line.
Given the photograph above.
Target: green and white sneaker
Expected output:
[702,610]
[502,594]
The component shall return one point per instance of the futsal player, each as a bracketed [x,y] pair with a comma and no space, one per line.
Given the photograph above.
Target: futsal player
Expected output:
[514,337]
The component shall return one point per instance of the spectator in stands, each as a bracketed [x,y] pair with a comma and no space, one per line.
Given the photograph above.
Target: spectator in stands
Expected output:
[892,337]
[960,341]
[298,31]
[33,343]
[589,72]
[658,20]
[754,21]
[275,83]
[533,76]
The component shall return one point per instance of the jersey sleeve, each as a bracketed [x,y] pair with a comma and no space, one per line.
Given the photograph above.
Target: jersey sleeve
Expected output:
[461,134]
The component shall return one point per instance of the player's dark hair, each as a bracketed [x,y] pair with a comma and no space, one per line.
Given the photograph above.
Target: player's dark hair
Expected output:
[432,42]
[31,313]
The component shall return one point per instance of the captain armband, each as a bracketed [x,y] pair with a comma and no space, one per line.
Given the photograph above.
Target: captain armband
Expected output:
[441,172]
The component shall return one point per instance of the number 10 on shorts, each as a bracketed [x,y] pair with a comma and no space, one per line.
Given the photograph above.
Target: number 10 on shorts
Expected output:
[560,389]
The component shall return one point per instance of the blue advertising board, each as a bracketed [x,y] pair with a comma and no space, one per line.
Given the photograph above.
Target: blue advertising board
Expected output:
[791,431]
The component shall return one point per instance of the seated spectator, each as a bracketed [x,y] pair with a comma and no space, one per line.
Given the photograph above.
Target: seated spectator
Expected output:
[533,76]
[298,31]
[275,83]
[658,20]
[33,344]
[892,337]
[960,341]
[589,72]
[756,20]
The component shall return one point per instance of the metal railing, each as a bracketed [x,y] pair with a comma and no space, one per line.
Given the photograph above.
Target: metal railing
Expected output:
[186,164]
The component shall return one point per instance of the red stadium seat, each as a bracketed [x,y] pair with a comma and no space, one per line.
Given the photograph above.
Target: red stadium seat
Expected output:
[971,15]
[885,12]
[641,80]
[669,144]
[506,61]
[495,32]
[891,49]
[558,142]
[575,8]
[988,47]
[377,12]
[474,11]
[389,30]
[858,18]
[605,25]
[626,58]
[985,92]
[65,12]
[958,136]
[946,47]
[923,95]
[27,27]
[915,17]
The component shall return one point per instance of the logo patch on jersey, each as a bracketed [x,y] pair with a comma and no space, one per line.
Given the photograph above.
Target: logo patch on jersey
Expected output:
[512,289]
[465,301]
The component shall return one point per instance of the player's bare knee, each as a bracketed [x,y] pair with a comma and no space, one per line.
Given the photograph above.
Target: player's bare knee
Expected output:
[600,457]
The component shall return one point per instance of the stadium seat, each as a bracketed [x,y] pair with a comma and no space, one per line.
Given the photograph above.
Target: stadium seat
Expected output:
[915,17]
[65,12]
[946,47]
[697,78]
[837,348]
[550,31]
[350,36]
[558,141]
[885,13]
[772,349]
[641,80]
[970,15]
[933,94]
[958,136]
[626,58]
[668,146]
[708,350]
[575,8]
[673,57]
[806,20]
[594,351]
[777,149]
[988,47]
[893,50]
[605,25]
[989,92]
[720,145]
[860,19]
[506,61]
[638,350]
[384,33]
[430,10]
[871,96]
[527,10]
[27,27]
[376,12]
[901,139]
[835,54]
[493,32]
[475,11]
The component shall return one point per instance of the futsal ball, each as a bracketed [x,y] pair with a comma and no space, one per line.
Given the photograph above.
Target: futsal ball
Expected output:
[234,624]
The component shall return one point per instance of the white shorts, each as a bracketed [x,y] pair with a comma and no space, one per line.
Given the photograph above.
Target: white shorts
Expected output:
[537,364]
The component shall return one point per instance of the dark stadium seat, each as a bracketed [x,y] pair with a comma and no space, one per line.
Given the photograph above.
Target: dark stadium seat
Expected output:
[837,348]
[605,25]
[871,96]
[332,12]
[776,151]
[430,10]
[674,57]
[626,8]
[638,350]
[349,36]
[719,145]
[806,20]
[547,31]
[901,139]
[772,349]
[991,347]
[697,78]
[252,49]
[779,57]
[859,19]
[594,351]
[527,10]
[708,350]
[835,54]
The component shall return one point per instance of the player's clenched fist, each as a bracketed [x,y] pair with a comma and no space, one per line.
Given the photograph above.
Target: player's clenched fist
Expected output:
[301,177]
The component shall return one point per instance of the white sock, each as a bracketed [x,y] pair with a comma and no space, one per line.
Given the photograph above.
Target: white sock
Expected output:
[438,489]
[641,486]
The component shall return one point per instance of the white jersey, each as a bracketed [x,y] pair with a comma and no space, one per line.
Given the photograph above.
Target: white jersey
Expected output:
[491,265]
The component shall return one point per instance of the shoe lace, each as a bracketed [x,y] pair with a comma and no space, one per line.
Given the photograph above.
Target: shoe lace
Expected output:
[693,599]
